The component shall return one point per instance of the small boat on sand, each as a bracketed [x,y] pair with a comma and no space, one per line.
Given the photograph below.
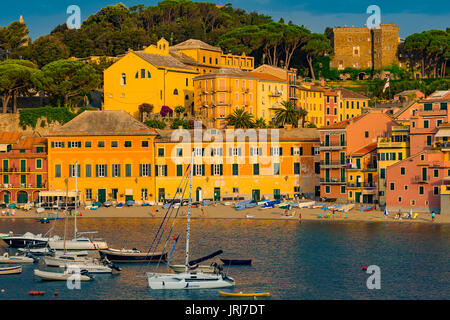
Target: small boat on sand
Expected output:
[244,295]
[11,270]
[236,262]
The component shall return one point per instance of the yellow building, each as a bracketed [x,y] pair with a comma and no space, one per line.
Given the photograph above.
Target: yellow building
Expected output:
[271,92]
[391,150]
[205,58]
[312,98]
[229,166]
[150,76]
[351,103]
[362,176]
[114,157]
[219,93]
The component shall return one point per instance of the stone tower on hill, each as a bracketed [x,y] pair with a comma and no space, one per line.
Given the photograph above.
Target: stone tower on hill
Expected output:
[361,47]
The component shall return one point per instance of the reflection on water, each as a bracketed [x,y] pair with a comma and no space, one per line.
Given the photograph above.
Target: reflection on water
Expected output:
[308,260]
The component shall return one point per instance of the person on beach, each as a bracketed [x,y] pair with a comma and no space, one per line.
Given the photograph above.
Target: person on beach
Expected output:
[13,212]
[153,211]
[7,212]
[299,217]
[203,212]
[433,216]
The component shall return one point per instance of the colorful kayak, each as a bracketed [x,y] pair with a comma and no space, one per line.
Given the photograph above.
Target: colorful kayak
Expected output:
[245,295]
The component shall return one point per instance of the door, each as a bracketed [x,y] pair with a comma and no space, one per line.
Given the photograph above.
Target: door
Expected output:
[6,197]
[357,197]
[216,194]
[128,198]
[102,195]
[198,195]
[369,179]
[256,195]
[276,194]
[22,197]
[39,181]
[161,194]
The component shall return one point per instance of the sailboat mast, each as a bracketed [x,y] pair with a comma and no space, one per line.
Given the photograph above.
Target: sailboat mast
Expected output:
[188,227]
[76,198]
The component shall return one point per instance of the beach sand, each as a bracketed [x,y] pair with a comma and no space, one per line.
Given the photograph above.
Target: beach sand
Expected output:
[220,211]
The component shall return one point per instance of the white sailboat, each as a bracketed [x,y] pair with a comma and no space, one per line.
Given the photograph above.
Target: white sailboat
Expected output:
[189,279]
[77,243]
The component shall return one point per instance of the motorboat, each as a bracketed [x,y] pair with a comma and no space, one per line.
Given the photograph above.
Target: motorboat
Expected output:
[6,258]
[79,243]
[68,274]
[27,239]
[11,270]
[132,255]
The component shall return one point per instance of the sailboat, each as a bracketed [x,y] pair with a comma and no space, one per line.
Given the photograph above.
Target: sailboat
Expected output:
[189,279]
[77,243]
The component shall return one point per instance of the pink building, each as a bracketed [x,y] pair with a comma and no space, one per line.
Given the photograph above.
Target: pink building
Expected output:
[409,95]
[415,182]
[23,167]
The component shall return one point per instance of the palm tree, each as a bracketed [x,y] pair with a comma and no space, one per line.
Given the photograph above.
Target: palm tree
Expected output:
[240,119]
[260,123]
[303,113]
[287,114]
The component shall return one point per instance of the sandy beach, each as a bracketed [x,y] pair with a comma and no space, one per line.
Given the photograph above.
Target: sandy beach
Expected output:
[221,211]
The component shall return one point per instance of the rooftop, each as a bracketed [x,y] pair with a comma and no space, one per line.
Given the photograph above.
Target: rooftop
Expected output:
[350,94]
[162,61]
[364,150]
[9,137]
[195,44]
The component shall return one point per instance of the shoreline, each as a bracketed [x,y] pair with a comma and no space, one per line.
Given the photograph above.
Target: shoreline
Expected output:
[228,212]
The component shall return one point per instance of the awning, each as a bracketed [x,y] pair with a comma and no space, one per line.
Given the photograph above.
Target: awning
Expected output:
[444,132]
[70,194]
[128,192]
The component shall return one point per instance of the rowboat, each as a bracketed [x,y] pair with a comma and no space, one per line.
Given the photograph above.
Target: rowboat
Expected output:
[62,276]
[236,262]
[6,258]
[245,295]
[11,270]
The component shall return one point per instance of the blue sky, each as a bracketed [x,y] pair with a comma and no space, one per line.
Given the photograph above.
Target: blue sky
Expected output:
[410,15]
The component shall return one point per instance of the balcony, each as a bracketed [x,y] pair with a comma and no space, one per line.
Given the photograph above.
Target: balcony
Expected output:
[332,145]
[21,186]
[393,143]
[370,167]
[421,179]
[331,181]
[366,185]
[331,164]
[276,94]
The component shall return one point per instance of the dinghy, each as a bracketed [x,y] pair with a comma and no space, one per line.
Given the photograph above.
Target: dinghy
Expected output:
[63,276]
[244,295]
[6,258]
[11,270]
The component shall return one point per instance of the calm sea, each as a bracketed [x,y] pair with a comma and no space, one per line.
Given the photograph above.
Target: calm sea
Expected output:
[292,260]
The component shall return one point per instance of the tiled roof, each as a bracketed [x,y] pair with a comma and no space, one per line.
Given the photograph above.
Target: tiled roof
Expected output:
[227,72]
[364,150]
[406,92]
[343,124]
[29,142]
[9,137]
[443,95]
[195,44]
[104,123]
[403,109]
[162,61]
[350,94]
[312,89]
[266,77]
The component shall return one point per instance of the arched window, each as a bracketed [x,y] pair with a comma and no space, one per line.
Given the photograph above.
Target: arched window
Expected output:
[149,75]
[137,75]
[123,79]
[175,92]
[142,73]
[187,97]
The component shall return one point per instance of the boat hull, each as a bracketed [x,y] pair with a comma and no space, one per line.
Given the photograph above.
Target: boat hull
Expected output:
[182,268]
[11,270]
[58,276]
[16,259]
[15,242]
[245,295]
[236,262]
[124,257]
[77,245]
[188,281]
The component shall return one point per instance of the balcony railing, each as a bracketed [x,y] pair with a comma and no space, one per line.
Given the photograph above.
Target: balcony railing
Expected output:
[331,181]
[325,144]
[325,163]
[368,185]
[421,179]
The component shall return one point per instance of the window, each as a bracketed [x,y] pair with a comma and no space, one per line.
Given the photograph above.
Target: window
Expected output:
[38,163]
[123,79]
[421,190]
[235,152]
[74,171]
[114,144]
[160,170]
[428,106]
[400,199]
[426,124]
[149,75]
[39,149]
[144,194]
[128,170]
[88,144]
[276,151]
[422,157]
[316,151]
[217,170]
[366,134]
[127,144]
[199,169]
[296,167]
[392,186]
[74,144]
[235,169]
[216,152]
[255,151]
[88,194]
[175,92]
[400,156]
[405,187]
[256,169]
[160,152]
[443,105]
[327,189]
[429,138]
[144,144]
[114,193]
[57,144]
[145,170]
[436,173]
[101,144]
[342,189]
[142,73]
[296,151]
[382,173]
[402,171]
[235,190]
[276,168]
[179,152]
[179,170]
[88,169]
[101,170]
[198,152]
[57,171]
[115,170]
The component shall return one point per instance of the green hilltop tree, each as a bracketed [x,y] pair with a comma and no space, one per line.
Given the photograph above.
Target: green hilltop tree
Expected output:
[64,80]
[15,76]
[317,45]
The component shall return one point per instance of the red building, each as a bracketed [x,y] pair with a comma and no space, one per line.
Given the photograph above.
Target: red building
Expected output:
[331,107]
[23,167]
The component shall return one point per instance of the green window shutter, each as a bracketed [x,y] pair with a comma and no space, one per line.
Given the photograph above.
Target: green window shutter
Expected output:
[292,151]
[106,170]
[179,170]
[221,169]
[256,169]
[156,170]
[231,152]
[62,144]
[96,170]
[70,170]
[235,169]
[58,171]
[296,168]
[69,144]
[212,169]
[128,170]
[53,144]
[149,169]
[281,151]
[118,170]
[203,170]
[88,171]
[140,170]
[165,170]
[5,179]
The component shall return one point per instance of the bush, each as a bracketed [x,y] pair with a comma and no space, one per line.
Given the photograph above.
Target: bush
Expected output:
[29,117]
[154,123]
[177,122]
